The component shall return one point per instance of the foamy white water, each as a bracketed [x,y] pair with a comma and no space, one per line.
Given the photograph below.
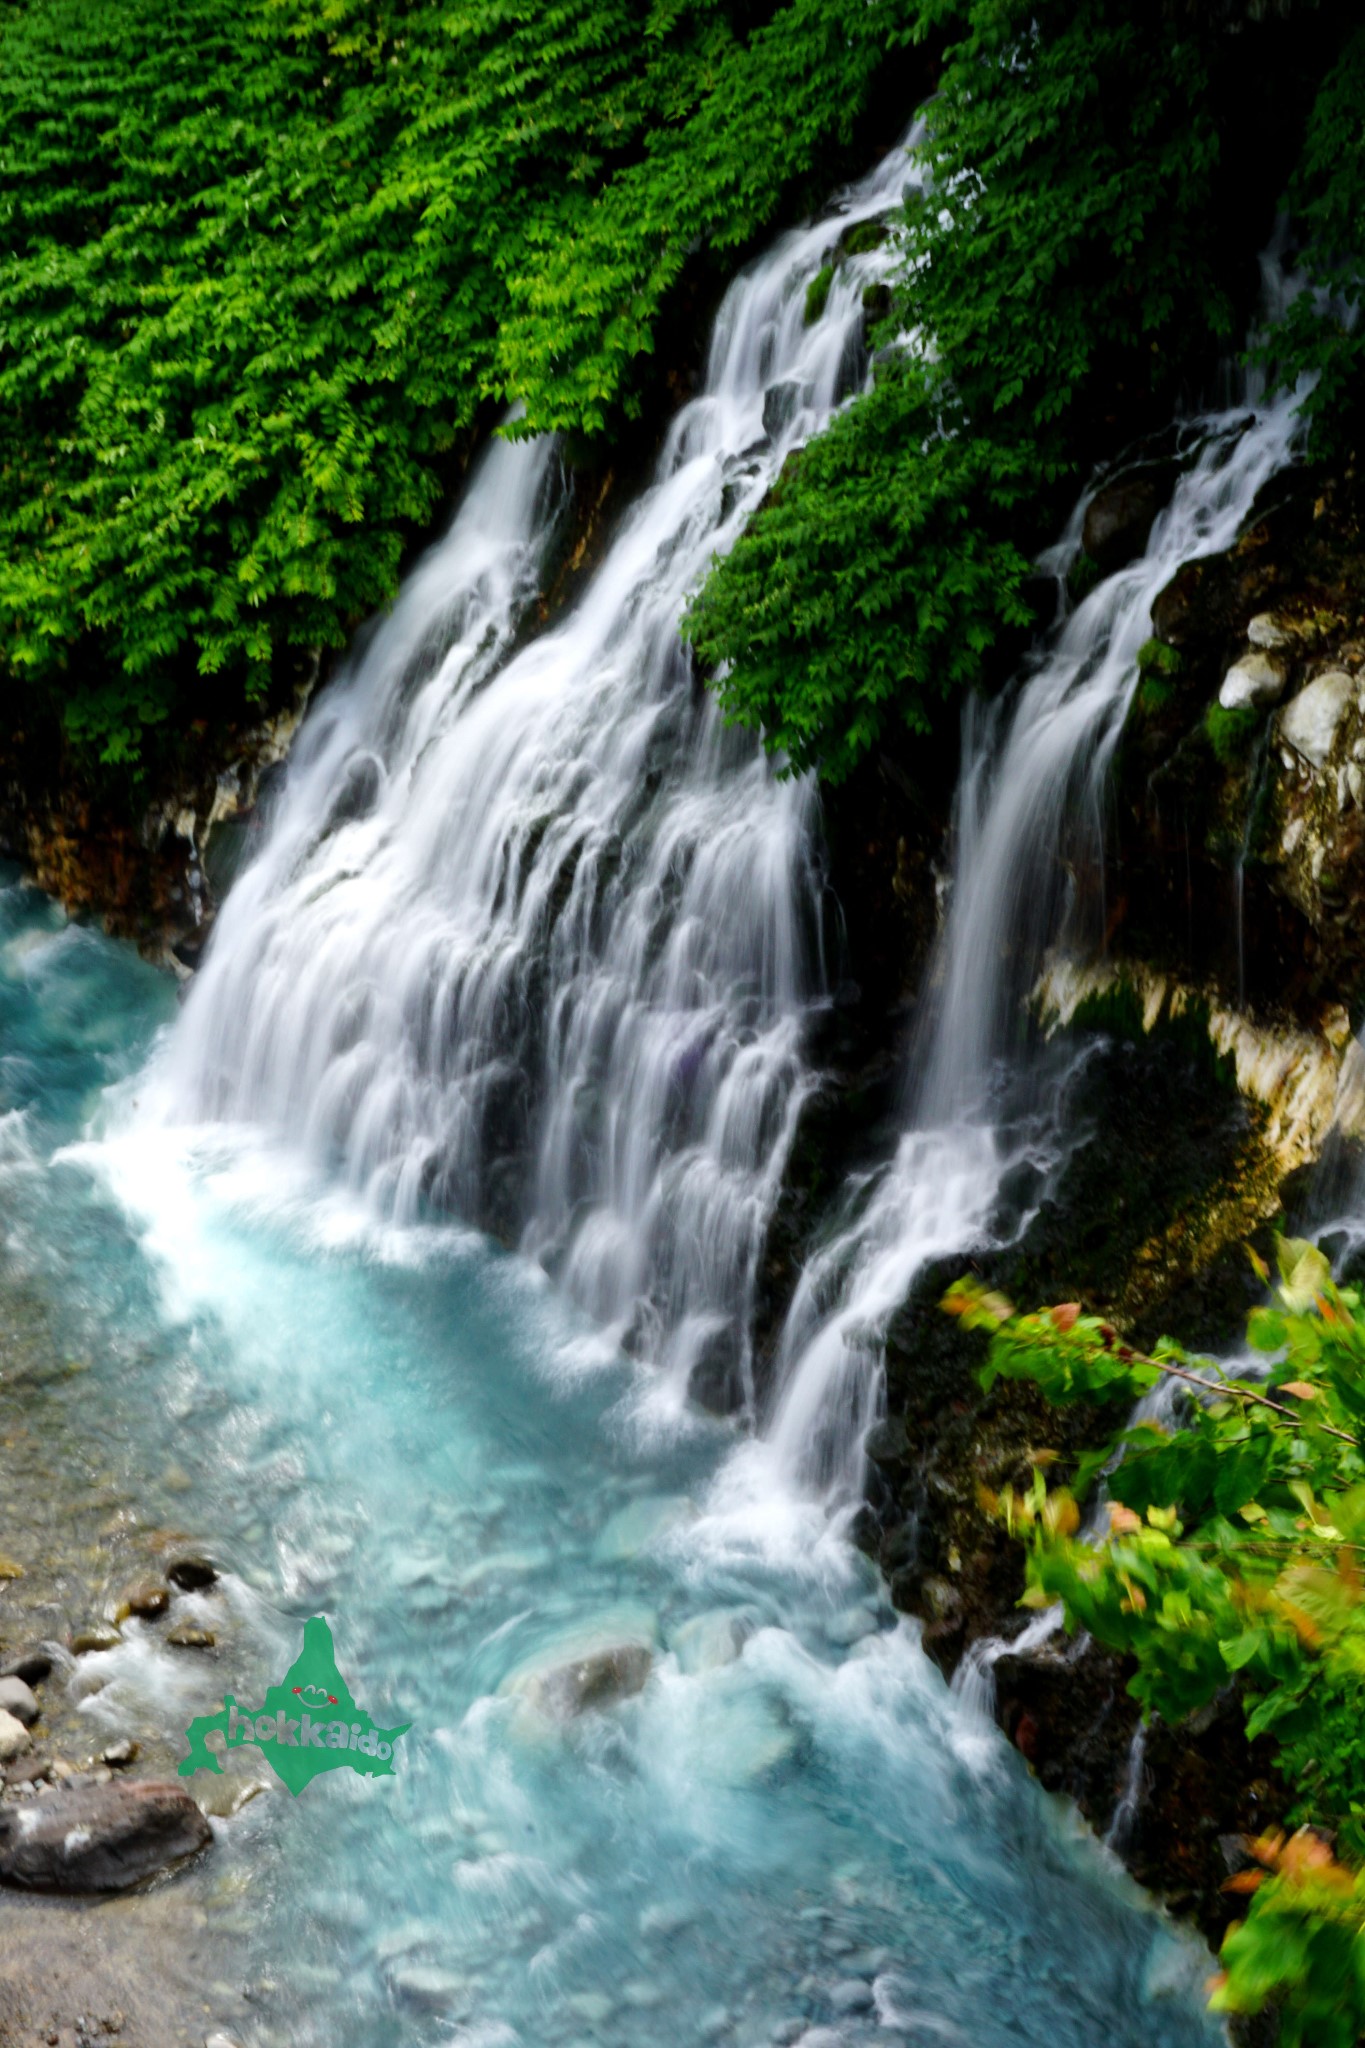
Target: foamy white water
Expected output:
[534,940]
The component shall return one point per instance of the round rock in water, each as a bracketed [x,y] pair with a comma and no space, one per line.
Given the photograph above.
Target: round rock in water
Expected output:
[148,1601]
[192,1574]
[32,1665]
[16,1699]
[89,1640]
[14,1738]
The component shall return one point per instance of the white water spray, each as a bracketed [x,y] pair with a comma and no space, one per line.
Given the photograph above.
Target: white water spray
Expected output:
[534,940]
[1029,817]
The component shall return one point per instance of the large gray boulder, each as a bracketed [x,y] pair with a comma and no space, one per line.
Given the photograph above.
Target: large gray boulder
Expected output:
[99,1838]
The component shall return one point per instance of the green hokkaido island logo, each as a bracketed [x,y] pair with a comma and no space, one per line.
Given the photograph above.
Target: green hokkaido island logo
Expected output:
[309,1723]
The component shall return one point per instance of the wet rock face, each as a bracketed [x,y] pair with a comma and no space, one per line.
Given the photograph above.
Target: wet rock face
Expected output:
[1120,517]
[1237,857]
[99,1838]
[152,875]
[597,1678]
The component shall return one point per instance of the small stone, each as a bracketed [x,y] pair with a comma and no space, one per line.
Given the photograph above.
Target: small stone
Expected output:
[100,1637]
[1310,722]
[16,1699]
[666,1917]
[1265,630]
[14,1738]
[1255,681]
[148,1601]
[32,1665]
[853,1995]
[428,1986]
[594,2008]
[192,1574]
[9,1569]
[120,1754]
[184,1636]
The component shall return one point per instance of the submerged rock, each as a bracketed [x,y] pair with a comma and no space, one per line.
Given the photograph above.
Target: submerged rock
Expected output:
[429,1987]
[87,1641]
[192,1574]
[33,1665]
[148,1600]
[184,1636]
[99,1838]
[598,1678]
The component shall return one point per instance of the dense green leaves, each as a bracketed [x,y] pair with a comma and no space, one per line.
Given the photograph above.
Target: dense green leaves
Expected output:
[1233,1553]
[1072,270]
[264,267]
[1323,336]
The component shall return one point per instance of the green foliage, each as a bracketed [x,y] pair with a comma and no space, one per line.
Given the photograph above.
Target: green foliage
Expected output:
[1156,658]
[1323,336]
[1236,1532]
[1066,252]
[1230,733]
[872,582]
[265,269]
[1071,268]
[817,294]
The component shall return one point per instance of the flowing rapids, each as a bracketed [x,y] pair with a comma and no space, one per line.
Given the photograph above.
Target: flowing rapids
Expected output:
[792,1828]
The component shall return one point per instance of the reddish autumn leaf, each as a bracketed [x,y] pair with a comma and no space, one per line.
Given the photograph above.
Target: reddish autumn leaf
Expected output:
[1244,1881]
[1300,1389]
[1065,1314]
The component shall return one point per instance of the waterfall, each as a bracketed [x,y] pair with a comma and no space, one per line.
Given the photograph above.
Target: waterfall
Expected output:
[1029,823]
[533,938]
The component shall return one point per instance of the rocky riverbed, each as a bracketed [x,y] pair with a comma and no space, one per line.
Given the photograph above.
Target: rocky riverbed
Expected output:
[121,1895]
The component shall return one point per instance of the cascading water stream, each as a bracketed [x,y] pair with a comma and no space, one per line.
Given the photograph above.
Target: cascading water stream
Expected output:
[530,934]
[533,940]
[1030,798]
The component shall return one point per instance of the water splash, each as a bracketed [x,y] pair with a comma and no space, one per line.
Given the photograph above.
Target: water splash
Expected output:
[534,939]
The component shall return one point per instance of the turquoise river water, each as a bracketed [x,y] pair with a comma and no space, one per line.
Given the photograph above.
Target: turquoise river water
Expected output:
[793,1832]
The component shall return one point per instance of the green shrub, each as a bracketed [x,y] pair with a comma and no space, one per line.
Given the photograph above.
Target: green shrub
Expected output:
[817,294]
[1075,269]
[1230,733]
[1155,658]
[267,268]
[1236,1529]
